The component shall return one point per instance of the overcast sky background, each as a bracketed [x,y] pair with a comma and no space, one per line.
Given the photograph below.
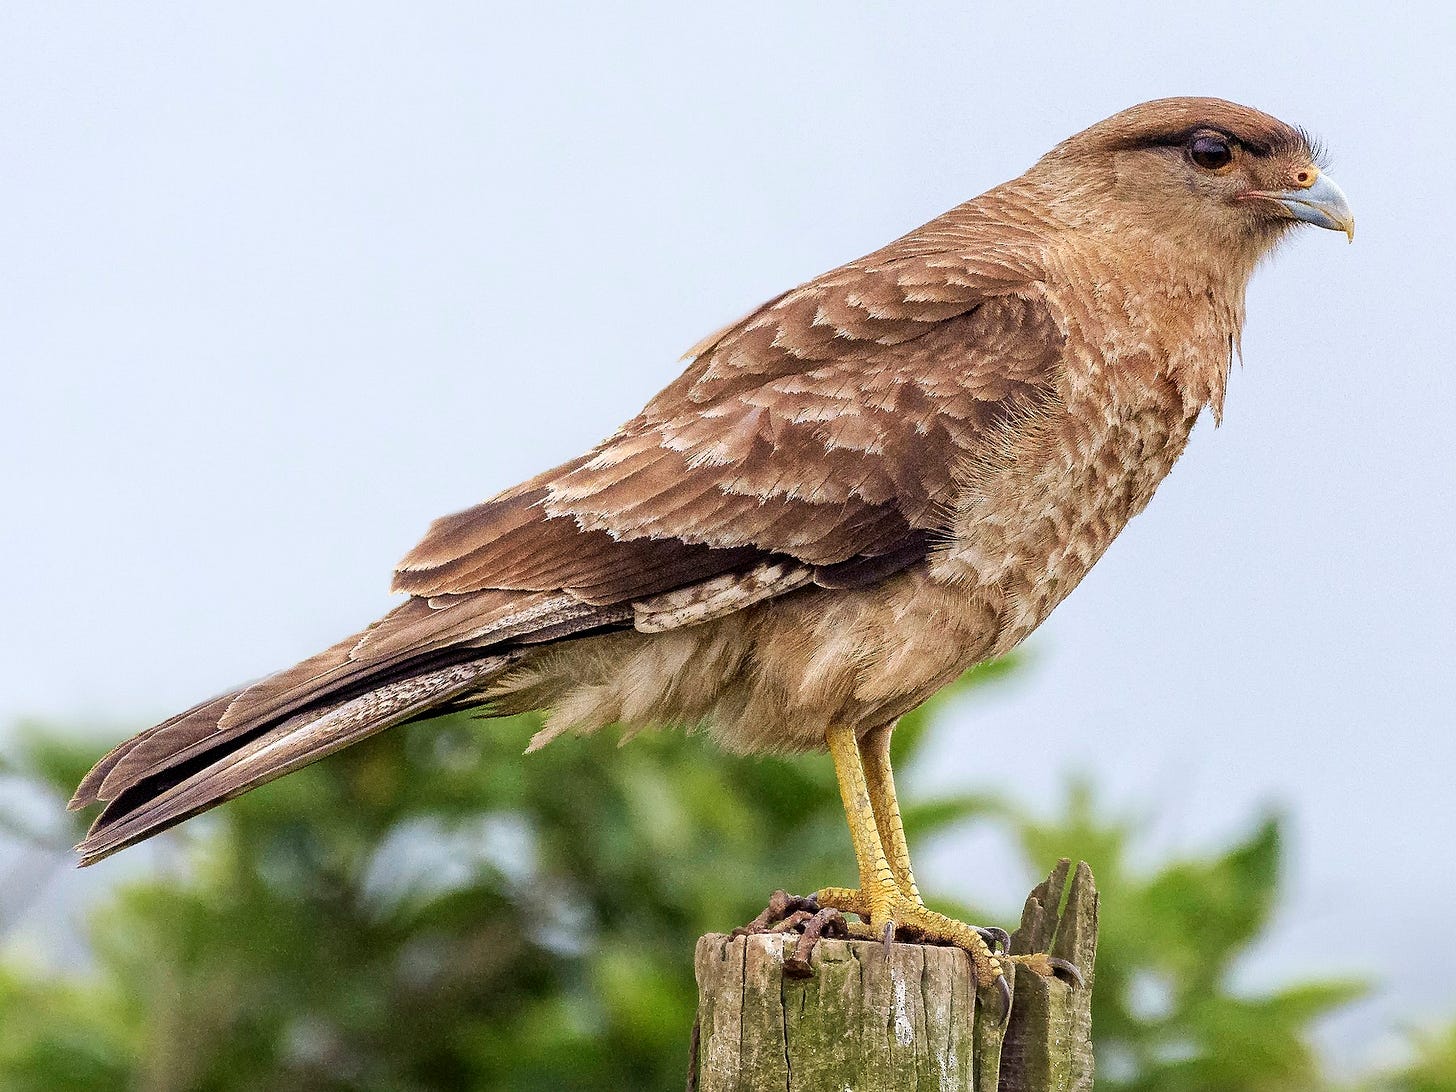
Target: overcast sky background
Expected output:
[281,282]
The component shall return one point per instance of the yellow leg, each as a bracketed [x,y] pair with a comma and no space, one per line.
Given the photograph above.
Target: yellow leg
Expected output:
[875,873]
[887,897]
[874,751]
[879,898]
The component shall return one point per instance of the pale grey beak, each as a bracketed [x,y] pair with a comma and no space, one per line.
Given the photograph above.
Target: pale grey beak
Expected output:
[1321,203]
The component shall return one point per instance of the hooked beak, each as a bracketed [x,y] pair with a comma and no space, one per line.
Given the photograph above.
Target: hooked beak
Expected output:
[1321,203]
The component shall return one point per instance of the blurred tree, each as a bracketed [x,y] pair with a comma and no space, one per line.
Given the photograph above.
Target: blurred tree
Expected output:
[429,910]
[1165,1016]
[1433,1068]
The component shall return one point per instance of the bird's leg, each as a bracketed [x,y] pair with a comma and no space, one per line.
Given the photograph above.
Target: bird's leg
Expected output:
[887,897]
[874,752]
[879,899]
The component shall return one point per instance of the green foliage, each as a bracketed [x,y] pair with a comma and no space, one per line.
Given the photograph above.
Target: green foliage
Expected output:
[428,910]
[1165,1014]
[1433,1070]
[431,910]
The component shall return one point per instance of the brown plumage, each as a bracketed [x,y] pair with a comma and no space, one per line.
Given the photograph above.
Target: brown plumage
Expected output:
[866,486]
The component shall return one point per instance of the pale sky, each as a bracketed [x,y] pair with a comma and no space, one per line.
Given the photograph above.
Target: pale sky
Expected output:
[280,282]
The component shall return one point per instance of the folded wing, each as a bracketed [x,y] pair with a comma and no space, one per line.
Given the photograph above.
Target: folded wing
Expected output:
[817,440]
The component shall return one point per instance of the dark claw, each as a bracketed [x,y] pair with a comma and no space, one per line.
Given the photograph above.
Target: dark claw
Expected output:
[1067,970]
[993,937]
[827,922]
[889,936]
[1004,988]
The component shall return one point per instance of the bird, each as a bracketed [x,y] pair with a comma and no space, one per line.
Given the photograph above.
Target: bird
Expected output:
[851,496]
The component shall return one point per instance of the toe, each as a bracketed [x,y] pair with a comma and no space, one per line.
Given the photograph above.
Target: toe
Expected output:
[784,911]
[1049,966]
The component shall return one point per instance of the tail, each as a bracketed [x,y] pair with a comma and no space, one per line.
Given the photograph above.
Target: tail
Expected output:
[197,760]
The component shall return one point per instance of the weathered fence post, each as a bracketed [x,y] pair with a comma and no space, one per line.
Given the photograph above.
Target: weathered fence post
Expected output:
[877,1019]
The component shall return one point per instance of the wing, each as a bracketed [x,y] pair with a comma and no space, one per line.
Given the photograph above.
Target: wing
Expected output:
[817,440]
[819,437]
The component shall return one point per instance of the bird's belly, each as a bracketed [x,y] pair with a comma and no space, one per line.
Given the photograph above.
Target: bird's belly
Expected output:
[771,677]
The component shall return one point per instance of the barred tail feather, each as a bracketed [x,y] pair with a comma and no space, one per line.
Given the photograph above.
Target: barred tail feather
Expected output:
[176,793]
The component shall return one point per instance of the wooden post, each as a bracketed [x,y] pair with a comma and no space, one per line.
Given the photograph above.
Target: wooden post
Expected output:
[906,1017]
[1048,1041]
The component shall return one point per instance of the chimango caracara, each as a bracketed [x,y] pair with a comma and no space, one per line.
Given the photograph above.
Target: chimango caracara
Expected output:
[863,488]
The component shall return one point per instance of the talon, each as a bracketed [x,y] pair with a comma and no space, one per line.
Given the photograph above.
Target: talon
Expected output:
[1049,966]
[887,935]
[1004,989]
[994,936]
[826,922]
[1067,969]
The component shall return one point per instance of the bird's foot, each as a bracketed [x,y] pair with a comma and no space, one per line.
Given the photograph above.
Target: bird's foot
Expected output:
[787,913]
[889,914]
[783,912]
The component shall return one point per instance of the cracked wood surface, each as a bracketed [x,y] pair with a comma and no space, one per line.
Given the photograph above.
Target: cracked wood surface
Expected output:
[873,1019]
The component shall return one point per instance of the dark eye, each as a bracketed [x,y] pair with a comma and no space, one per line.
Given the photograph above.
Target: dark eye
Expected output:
[1212,153]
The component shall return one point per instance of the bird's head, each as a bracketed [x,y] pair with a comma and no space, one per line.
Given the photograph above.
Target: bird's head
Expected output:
[1201,173]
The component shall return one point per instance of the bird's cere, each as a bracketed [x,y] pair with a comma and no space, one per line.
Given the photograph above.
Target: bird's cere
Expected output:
[1320,202]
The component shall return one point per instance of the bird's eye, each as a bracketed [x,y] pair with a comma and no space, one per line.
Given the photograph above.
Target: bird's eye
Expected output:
[1210,152]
